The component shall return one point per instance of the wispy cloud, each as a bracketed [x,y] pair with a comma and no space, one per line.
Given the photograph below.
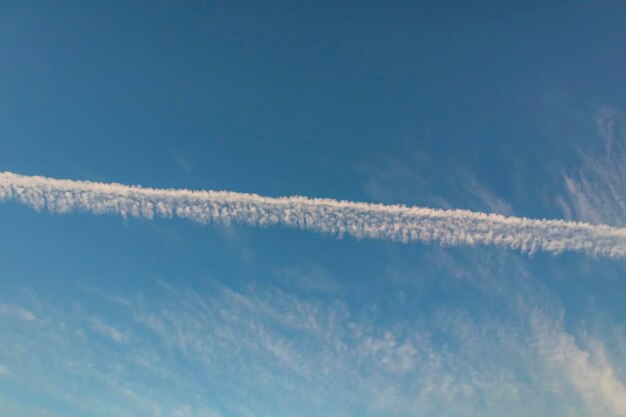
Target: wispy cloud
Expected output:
[251,351]
[595,191]
[108,330]
[456,360]
[362,220]
[18,312]
[57,357]
[4,371]
[312,279]
[588,371]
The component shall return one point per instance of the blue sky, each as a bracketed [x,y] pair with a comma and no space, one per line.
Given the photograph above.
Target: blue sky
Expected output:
[505,107]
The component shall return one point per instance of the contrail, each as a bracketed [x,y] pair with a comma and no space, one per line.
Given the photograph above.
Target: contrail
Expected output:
[361,220]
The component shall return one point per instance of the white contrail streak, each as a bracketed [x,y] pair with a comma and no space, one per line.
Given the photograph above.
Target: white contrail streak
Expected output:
[362,220]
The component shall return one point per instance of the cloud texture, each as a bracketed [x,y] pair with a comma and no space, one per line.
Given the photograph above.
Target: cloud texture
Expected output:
[361,220]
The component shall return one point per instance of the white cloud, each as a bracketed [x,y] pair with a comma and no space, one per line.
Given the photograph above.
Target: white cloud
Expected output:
[312,279]
[108,330]
[4,370]
[323,352]
[362,220]
[589,371]
[595,192]
[56,358]
[252,351]
[18,312]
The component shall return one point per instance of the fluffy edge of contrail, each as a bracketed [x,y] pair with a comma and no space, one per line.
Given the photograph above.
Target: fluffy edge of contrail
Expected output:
[361,220]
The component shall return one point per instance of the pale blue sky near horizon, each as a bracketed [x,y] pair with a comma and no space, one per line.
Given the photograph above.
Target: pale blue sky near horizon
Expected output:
[508,107]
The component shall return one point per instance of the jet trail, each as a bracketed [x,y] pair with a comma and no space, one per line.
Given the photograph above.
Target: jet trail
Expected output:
[361,220]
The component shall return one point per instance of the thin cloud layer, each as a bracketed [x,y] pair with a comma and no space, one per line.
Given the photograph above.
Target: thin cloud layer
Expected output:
[267,352]
[595,192]
[361,220]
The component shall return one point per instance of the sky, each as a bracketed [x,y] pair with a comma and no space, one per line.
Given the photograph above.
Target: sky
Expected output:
[508,107]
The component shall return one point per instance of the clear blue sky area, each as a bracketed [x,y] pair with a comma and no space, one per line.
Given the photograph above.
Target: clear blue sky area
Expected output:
[506,107]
